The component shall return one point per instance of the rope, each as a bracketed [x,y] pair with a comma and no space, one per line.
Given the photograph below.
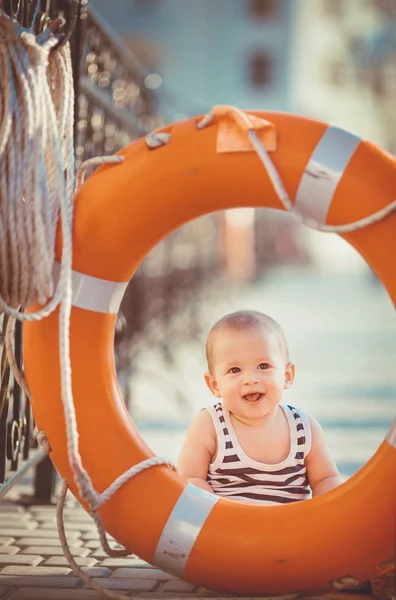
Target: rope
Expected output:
[243,121]
[95,162]
[69,557]
[36,165]
[157,139]
[11,358]
[4,373]
[100,499]
[289,206]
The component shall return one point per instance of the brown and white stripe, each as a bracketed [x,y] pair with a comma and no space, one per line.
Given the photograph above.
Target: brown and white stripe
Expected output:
[235,475]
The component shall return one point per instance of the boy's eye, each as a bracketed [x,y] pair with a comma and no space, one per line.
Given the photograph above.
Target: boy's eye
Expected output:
[234,370]
[263,366]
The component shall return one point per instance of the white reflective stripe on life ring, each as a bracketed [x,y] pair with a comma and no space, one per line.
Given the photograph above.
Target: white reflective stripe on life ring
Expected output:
[323,172]
[182,529]
[94,294]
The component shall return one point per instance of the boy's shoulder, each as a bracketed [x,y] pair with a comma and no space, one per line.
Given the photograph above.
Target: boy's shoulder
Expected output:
[214,410]
[299,413]
[296,409]
[309,423]
[201,430]
[202,418]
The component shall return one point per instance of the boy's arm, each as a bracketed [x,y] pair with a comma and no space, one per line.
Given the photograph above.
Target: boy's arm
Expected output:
[322,471]
[198,450]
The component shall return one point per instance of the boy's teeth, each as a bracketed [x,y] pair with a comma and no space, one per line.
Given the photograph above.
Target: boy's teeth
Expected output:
[252,397]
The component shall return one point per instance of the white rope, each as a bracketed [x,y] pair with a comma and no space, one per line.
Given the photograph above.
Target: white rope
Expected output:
[95,162]
[36,166]
[289,206]
[69,557]
[11,358]
[135,470]
[279,187]
[156,139]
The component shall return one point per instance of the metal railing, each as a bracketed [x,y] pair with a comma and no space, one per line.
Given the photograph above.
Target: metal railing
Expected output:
[113,107]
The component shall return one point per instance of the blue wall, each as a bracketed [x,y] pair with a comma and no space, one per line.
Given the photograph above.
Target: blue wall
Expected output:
[202,49]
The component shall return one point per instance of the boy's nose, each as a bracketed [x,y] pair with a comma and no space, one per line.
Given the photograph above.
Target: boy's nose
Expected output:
[251,378]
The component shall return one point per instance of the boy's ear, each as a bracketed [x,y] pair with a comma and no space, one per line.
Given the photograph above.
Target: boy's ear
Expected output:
[290,372]
[212,384]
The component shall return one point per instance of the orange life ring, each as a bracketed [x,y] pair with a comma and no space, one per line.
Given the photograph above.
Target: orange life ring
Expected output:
[121,212]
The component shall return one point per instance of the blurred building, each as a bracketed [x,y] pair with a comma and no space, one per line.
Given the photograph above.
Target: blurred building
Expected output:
[344,72]
[330,59]
[340,50]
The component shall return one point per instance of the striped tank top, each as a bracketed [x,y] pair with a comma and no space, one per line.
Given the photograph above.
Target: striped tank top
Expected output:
[233,474]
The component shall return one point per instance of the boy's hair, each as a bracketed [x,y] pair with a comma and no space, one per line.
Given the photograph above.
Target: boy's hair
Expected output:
[244,320]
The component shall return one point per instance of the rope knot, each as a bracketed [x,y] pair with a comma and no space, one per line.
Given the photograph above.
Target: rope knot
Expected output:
[157,139]
[39,51]
[85,488]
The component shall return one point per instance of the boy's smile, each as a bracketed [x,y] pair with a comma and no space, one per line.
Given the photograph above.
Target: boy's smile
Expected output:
[253,398]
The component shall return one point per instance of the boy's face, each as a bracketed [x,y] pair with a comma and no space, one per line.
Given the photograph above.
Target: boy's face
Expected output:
[249,372]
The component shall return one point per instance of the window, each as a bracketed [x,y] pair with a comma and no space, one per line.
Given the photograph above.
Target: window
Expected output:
[333,8]
[262,9]
[358,47]
[146,5]
[386,7]
[391,147]
[261,69]
[362,76]
[336,72]
[378,83]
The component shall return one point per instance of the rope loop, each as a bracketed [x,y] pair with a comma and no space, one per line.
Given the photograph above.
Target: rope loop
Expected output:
[242,120]
[283,197]
[95,162]
[157,139]
[69,557]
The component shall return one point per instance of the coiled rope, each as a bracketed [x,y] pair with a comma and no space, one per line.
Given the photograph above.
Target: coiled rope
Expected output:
[36,165]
